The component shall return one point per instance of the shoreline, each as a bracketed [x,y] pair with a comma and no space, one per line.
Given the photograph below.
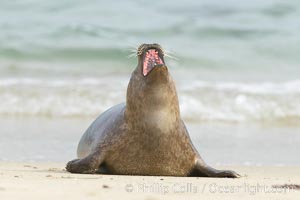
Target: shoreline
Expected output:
[36,180]
[56,140]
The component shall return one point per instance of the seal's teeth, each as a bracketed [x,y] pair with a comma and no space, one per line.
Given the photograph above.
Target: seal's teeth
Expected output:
[151,60]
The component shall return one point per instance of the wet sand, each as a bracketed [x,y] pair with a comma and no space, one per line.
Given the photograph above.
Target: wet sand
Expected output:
[41,180]
[250,144]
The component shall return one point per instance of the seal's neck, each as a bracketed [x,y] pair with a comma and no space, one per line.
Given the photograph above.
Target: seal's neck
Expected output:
[152,101]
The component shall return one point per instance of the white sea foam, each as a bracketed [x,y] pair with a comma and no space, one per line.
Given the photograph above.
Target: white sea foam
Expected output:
[199,100]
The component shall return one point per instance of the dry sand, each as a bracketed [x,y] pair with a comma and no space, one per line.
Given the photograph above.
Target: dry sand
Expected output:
[50,181]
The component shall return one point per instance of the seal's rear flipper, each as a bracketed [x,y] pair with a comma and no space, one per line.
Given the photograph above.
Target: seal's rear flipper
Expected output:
[203,170]
[87,165]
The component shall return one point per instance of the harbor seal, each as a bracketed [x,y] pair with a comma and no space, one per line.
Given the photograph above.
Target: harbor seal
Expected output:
[145,135]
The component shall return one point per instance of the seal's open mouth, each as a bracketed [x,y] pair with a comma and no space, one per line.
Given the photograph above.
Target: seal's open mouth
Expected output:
[152,59]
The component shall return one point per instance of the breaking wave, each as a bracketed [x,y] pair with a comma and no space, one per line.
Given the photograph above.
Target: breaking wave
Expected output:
[199,100]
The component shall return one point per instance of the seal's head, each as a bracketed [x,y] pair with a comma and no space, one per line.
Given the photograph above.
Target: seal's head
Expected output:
[151,93]
[150,58]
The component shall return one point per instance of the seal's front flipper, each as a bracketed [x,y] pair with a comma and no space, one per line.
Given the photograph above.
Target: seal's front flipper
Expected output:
[87,165]
[203,170]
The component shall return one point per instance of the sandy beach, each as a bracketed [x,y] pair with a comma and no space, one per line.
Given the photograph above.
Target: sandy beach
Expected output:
[50,181]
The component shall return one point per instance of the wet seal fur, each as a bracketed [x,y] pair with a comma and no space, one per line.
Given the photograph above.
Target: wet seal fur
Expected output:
[145,136]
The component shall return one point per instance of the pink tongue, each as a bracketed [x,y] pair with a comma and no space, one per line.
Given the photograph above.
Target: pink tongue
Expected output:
[150,61]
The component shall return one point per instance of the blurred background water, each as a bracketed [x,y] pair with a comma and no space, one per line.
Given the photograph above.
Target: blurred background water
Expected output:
[237,63]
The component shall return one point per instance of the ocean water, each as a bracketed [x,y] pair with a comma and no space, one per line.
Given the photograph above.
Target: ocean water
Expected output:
[236,63]
[236,60]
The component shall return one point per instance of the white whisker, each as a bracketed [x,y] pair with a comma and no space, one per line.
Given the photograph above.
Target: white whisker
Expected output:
[132,55]
[172,57]
[133,50]
[171,54]
[132,46]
